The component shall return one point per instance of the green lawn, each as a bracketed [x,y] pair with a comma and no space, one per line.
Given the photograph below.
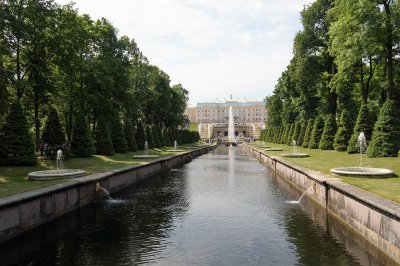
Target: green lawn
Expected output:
[14,179]
[325,160]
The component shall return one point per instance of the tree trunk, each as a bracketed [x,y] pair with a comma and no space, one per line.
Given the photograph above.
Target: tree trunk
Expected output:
[389,51]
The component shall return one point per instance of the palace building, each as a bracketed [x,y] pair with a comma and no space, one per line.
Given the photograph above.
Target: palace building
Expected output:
[212,118]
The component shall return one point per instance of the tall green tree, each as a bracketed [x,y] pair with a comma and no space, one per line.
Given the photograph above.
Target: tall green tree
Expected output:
[102,136]
[16,144]
[82,143]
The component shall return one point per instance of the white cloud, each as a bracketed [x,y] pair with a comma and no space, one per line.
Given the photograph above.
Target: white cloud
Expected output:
[213,47]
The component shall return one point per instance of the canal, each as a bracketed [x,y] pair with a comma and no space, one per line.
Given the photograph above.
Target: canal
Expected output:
[223,208]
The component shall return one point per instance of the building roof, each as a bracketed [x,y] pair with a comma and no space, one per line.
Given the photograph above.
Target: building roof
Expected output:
[231,103]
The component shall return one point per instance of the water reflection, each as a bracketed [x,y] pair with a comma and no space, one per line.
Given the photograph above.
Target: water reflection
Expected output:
[218,210]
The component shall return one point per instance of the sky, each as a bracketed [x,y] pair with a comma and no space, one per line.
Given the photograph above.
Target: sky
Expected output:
[214,48]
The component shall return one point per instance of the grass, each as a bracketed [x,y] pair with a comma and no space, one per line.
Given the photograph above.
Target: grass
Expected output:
[14,179]
[323,161]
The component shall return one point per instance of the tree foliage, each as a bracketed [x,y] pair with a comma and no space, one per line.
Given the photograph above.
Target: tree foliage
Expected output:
[16,145]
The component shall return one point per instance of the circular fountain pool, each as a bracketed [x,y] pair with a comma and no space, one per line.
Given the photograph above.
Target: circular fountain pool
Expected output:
[362,172]
[55,174]
[295,155]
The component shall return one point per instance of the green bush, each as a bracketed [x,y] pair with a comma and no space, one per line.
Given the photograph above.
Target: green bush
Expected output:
[307,133]
[316,133]
[81,143]
[289,135]
[296,133]
[16,144]
[385,140]
[102,137]
[284,135]
[118,136]
[302,133]
[130,137]
[149,136]
[364,124]
[328,134]
[156,139]
[167,141]
[140,136]
[53,134]
[343,133]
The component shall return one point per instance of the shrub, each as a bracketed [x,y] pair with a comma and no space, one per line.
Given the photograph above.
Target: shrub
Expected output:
[385,140]
[81,143]
[296,133]
[102,137]
[289,135]
[343,133]
[16,144]
[328,134]
[53,134]
[130,137]
[140,136]
[316,133]
[149,136]
[167,141]
[302,133]
[364,124]
[307,133]
[118,136]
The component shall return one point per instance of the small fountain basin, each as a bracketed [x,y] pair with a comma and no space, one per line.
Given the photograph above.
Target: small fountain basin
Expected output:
[145,156]
[175,150]
[295,155]
[55,174]
[273,149]
[362,172]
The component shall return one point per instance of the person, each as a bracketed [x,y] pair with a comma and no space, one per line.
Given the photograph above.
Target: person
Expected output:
[41,148]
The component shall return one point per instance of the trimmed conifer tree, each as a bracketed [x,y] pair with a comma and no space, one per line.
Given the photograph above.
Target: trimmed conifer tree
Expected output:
[118,136]
[363,124]
[161,136]
[171,136]
[53,134]
[156,138]
[316,133]
[328,133]
[307,133]
[140,136]
[102,136]
[16,143]
[129,131]
[385,140]
[343,133]
[81,143]
[284,134]
[289,135]
[296,133]
[165,135]
[302,133]
[149,136]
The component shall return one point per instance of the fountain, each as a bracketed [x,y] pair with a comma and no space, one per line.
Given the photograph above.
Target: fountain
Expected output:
[175,148]
[362,171]
[145,153]
[59,172]
[295,154]
[302,195]
[231,129]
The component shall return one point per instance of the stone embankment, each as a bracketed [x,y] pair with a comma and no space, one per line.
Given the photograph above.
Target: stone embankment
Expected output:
[375,218]
[23,212]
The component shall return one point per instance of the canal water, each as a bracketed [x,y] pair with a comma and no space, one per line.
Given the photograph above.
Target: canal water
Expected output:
[223,208]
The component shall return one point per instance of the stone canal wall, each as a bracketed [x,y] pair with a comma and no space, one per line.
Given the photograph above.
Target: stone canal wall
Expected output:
[373,217]
[23,212]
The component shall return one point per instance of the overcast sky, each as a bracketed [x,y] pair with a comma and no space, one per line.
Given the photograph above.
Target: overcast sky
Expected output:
[214,48]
